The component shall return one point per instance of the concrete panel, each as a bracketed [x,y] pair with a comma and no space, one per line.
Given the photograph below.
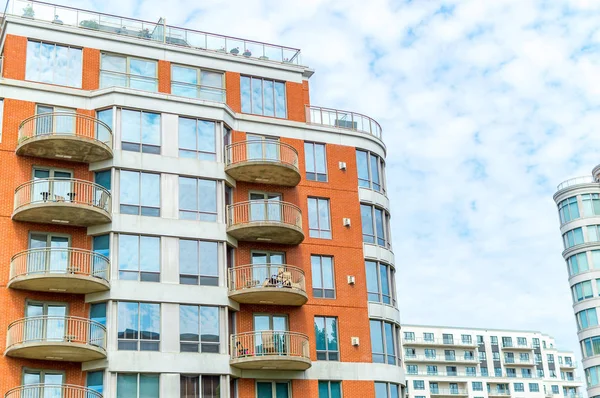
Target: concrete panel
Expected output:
[159,362]
[169,335]
[385,312]
[170,260]
[170,135]
[378,253]
[169,195]
[370,196]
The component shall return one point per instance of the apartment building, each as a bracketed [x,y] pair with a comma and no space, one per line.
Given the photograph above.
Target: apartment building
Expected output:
[465,362]
[178,220]
[578,201]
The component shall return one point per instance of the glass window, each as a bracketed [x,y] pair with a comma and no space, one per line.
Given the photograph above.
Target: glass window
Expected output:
[140,131]
[418,384]
[534,387]
[447,338]
[496,356]
[409,336]
[471,370]
[370,169]
[591,346]
[426,336]
[466,339]
[139,258]
[432,370]
[326,335]
[498,372]
[482,356]
[318,218]
[591,206]
[507,342]
[197,199]
[579,263]
[124,71]
[268,389]
[330,389]
[139,326]
[316,162]
[430,353]
[409,353]
[195,386]
[140,193]
[197,139]
[480,339]
[53,63]
[582,291]
[198,262]
[322,276]
[484,371]
[494,340]
[133,385]
[568,210]
[573,237]
[555,389]
[535,342]
[477,386]
[522,341]
[412,369]
[381,280]
[450,355]
[383,342]
[191,82]
[95,381]
[199,328]
[519,387]
[526,373]
[587,318]
[375,225]
[263,97]
[550,358]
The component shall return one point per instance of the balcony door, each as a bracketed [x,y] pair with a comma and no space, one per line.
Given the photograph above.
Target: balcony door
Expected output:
[266,208]
[47,322]
[54,120]
[262,148]
[268,264]
[44,384]
[51,185]
[270,334]
[48,253]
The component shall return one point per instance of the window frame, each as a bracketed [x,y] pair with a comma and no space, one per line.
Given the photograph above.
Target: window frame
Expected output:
[200,343]
[323,289]
[140,273]
[199,87]
[138,376]
[197,152]
[318,232]
[200,276]
[391,275]
[386,355]
[273,386]
[329,354]
[139,206]
[317,176]
[70,68]
[210,216]
[127,74]
[375,238]
[153,149]
[369,184]
[138,340]
[329,387]
[262,95]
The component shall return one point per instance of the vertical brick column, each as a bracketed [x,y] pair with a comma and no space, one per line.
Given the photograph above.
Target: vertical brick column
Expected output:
[164,77]
[15,57]
[234,96]
[91,69]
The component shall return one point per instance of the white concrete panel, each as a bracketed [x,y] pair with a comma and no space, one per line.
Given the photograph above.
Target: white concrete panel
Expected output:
[585,304]
[586,276]
[163,362]
[169,333]
[169,384]
[370,196]
[378,253]
[169,196]
[170,135]
[384,312]
[580,222]
[170,260]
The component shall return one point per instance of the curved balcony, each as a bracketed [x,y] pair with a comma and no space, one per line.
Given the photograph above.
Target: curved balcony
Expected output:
[62,201]
[342,120]
[57,338]
[263,161]
[265,221]
[277,284]
[51,390]
[66,136]
[60,270]
[272,350]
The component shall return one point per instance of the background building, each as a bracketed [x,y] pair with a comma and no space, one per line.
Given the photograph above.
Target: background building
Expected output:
[578,201]
[446,361]
[177,218]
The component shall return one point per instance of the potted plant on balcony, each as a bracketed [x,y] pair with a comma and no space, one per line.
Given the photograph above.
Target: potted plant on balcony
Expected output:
[235,51]
[28,12]
[144,33]
[89,23]
[247,53]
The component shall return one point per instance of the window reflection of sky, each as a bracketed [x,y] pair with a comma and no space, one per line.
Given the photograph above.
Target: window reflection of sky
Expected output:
[51,63]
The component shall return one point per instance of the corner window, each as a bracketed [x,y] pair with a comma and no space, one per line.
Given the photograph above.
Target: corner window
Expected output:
[322,276]
[578,263]
[199,386]
[381,285]
[326,336]
[197,199]
[139,258]
[330,389]
[384,336]
[197,139]
[140,193]
[140,131]
[199,328]
[138,326]
[198,262]
[263,97]
[123,71]
[316,162]
[133,385]
[587,318]
[375,225]
[193,82]
[568,209]
[53,63]
[582,291]
[318,218]
[370,169]
[573,237]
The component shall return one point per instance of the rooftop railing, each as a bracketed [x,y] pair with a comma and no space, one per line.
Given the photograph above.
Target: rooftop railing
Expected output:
[156,32]
[51,390]
[343,120]
[575,181]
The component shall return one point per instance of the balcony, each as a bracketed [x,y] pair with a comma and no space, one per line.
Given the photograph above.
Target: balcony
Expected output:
[518,347]
[445,392]
[59,270]
[265,221]
[576,181]
[51,390]
[441,358]
[56,338]
[152,32]
[568,365]
[276,284]
[498,393]
[65,136]
[62,201]
[342,120]
[263,161]
[438,343]
[270,350]
[518,362]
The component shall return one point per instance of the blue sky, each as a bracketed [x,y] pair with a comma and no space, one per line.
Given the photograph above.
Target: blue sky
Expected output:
[485,105]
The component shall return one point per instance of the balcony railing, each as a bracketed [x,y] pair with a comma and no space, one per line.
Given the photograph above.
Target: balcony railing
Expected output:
[265,276]
[57,260]
[575,181]
[421,341]
[190,90]
[261,151]
[51,390]
[268,343]
[439,358]
[154,32]
[448,391]
[56,329]
[343,120]
[264,211]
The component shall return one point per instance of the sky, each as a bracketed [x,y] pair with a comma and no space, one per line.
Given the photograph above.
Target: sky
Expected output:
[486,105]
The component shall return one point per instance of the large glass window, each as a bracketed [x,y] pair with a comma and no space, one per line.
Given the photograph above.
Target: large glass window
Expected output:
[106,117]
[587,318]
[381,282]
[198,262]
[592,376]
[197,139]
[534,387]
[519,387]
[383,342]
[573,237]
[477,386]
[326,335]
[193,82]
[591,204]
[568,209]
[590,346]
[322,276]
[196,386]
[412,369]
[124,71]
[370,169]
[140,193]
[319,223]
[53,63]
[197,199]
[330,389]
[273,389]
[417,385]
[139,258]
[139,326]
[199,328]
[263,97]
[95,381]
[582,291]
[316,162]
[579,263]
[375,225]
[140,131]
[134,385]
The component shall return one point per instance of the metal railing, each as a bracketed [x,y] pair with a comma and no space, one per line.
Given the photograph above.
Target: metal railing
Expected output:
[109,78]
[439,358]
[496,393]
[516,361]
[269,343]
[261,211]
[155,32]
[443,373]
[266,275]
[509,346]
[51,390]
[343,120]
[575,181]
[422,341]
[57,329]
[65,124]
[55,260]
[62,190]
[203,92]
[261,151]
[448,391]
